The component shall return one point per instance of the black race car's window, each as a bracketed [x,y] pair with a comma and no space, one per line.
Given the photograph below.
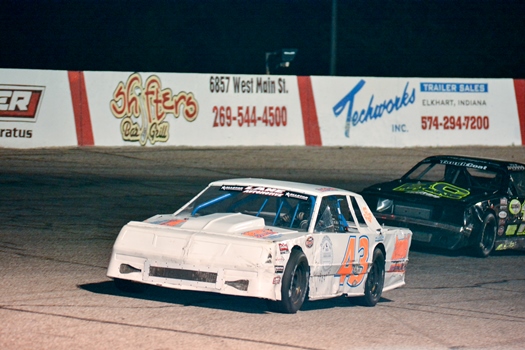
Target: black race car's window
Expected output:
[427,172]
[485,179]
[464,177]
[518,181]
[457,176]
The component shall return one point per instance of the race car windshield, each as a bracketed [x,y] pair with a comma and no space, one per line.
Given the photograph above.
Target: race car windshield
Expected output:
[280,208]
[518,180]
[460,176]
[426,172]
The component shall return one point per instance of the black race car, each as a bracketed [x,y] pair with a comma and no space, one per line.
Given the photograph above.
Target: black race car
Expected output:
[454,202]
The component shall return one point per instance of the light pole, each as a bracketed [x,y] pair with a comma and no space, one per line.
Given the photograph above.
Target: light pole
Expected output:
[333,37]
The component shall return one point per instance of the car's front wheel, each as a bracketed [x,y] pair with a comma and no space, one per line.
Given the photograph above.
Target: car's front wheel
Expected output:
[486,238]
[294,284]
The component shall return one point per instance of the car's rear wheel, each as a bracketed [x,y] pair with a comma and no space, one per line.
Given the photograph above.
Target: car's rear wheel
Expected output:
[129,286]
[294,284]
[486,238]
[374,281]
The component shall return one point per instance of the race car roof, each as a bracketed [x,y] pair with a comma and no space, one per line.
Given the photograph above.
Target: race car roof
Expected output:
[469,161]
[311,189]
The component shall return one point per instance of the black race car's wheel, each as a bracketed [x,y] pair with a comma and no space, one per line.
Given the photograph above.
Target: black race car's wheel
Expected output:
[294,284]
[374,281]
[129,286]
[486,238]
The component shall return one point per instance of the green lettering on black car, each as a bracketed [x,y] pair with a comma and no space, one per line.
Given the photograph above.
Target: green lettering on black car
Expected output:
[439,189]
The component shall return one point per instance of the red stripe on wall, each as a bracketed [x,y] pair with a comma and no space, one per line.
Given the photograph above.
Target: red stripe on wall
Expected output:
[79,98]
[519,89]
[312,134]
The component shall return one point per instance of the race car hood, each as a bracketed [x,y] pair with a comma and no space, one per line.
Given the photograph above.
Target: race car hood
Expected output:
[230,224]
[215,239]
[428,192]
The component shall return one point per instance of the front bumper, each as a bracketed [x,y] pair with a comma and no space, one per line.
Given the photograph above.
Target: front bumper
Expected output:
[258,281]
[430,233]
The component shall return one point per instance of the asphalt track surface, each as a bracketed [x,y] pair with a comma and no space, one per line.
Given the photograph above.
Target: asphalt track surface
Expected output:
[61,210]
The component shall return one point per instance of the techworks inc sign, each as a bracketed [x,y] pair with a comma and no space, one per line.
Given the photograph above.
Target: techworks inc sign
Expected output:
[20,102]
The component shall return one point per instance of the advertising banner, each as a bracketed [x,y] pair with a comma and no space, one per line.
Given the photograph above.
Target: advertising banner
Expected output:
[175,109]
[35,109]
[73,108]
[406,112]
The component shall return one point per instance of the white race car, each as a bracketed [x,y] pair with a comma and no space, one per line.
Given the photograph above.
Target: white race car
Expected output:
[269,239]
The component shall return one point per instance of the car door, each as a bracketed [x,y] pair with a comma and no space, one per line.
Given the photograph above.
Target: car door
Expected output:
[346,242]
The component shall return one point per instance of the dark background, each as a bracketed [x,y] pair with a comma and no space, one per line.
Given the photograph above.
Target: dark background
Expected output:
[404,38]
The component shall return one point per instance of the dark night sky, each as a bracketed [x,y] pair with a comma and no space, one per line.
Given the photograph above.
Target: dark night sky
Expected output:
[403,38]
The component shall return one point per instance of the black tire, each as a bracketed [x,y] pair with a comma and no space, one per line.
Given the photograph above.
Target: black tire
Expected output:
[375,280]
[294,285]
[129,286]
[487,237]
